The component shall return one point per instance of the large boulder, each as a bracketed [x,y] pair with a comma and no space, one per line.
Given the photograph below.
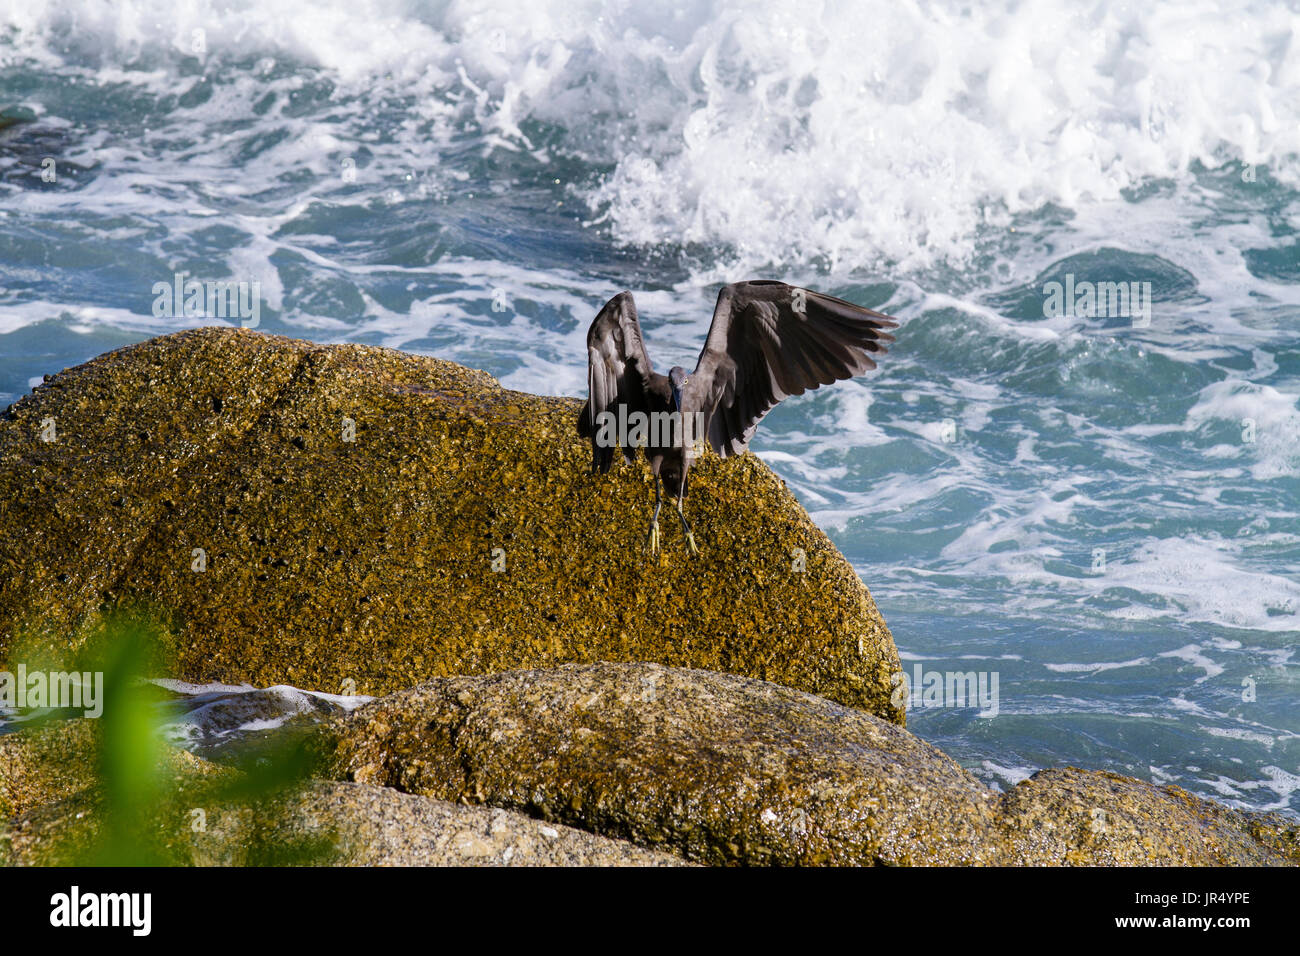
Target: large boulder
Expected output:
[723,769]
[355,518]
[718,768]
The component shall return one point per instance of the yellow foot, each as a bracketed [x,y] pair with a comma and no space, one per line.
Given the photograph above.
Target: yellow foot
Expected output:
[652,539]
[690,542]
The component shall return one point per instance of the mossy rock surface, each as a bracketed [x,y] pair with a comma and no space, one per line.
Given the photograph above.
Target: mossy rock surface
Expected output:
[376,826]
[41,765]
[343,824]
[727,770]
[368,565]
[721,769]
[52,794]
[53,812]
[1069,816]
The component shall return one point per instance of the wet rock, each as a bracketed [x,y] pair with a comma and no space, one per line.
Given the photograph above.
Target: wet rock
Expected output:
[717,768]
[374,826]
[234,724]
[334,824]
[1093,818]
[44,764]
[54,813]
[355,520]
[724,770]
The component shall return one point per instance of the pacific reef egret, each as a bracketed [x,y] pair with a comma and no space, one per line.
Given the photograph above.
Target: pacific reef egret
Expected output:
[768,341]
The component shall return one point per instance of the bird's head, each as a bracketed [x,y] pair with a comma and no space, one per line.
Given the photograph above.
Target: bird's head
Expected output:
[677,378]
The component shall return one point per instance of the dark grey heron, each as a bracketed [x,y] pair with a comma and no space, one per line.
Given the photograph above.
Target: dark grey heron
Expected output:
[768,341]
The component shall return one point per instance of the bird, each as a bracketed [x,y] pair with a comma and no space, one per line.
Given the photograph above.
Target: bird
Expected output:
[768,341]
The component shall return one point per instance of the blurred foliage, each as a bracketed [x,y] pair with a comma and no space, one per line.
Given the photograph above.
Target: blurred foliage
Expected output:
[143,801]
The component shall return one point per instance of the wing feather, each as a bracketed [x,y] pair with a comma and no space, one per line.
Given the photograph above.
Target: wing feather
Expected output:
[618,373]
[769,341]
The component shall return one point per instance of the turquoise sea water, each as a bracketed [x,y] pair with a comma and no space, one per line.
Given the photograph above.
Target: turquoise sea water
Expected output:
[1099,508]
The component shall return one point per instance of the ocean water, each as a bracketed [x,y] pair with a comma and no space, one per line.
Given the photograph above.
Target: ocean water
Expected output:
[1097,505]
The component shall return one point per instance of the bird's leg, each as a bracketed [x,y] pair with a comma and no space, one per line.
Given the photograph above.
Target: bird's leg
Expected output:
[652,539]
[690,536]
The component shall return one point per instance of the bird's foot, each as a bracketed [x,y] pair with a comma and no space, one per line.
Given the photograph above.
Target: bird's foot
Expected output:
[686,529]
[652,539]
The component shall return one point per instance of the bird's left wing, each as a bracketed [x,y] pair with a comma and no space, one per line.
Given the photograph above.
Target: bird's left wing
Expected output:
[618,373]
[769,341]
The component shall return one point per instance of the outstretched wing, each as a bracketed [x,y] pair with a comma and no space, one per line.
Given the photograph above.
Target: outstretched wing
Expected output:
[769,341]
[618,373]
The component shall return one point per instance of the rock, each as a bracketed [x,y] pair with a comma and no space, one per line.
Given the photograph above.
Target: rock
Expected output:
[723,769]
[717,768]
[337,824]
[209,814]
[51,795]
[1095,818]
[232,725]
[45,764]
[209,475]
[374,826]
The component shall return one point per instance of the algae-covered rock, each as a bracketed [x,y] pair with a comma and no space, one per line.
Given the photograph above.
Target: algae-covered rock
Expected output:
[375,826]
[722,769]
[355,518]
[47,763]
[1096,818]
[718,768]
[55,815]
[56,811]
[340,824]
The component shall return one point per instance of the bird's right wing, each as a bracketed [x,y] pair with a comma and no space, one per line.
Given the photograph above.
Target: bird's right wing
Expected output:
[618,373]
[769,341]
